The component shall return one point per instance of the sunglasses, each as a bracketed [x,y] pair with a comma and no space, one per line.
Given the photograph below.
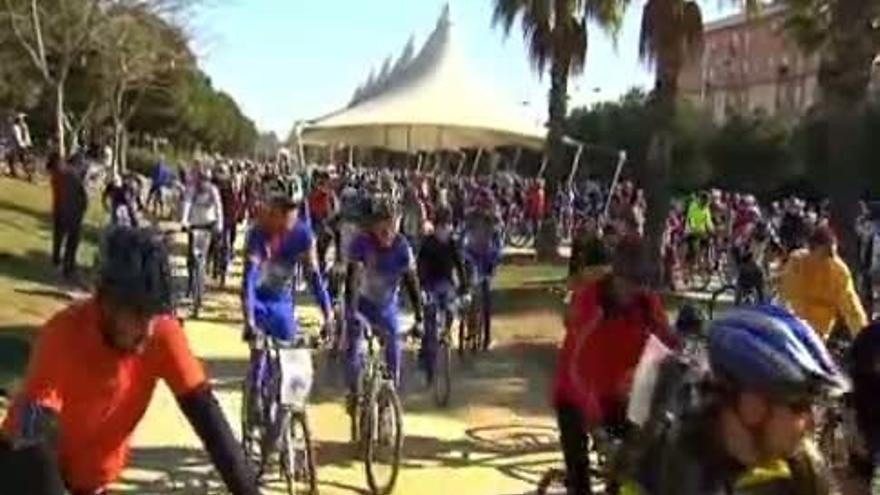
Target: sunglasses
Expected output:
[799,406]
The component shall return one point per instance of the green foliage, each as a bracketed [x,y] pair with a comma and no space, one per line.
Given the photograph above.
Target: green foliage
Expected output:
[756,152]
[628,124]
[133,66]
[752,153]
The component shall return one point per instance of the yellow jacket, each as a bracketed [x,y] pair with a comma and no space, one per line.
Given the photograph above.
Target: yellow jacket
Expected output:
[819,289]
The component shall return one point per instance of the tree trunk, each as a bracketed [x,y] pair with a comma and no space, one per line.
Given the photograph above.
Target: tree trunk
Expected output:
[59,120]
[546,239]
[557,111]
[845,144]
[654,177]
[117,147]
[844,76]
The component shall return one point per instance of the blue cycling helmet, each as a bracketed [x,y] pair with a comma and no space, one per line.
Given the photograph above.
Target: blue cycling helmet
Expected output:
[767,349]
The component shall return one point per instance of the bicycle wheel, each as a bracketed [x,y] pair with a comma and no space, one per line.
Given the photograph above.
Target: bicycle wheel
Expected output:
[553,481]
[832,440]
[384,438]
[248,445]
[474,330]
[298,456]
[443,369]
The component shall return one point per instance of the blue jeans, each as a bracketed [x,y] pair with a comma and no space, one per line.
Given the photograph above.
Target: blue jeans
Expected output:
[439,297]
[382,319]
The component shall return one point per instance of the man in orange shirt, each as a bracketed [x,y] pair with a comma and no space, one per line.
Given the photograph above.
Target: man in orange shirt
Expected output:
[91,377]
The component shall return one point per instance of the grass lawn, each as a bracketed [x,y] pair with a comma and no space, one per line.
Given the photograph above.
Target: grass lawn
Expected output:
[28,281]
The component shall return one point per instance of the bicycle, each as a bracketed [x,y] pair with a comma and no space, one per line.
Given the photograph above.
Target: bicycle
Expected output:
[603,447]
[220,255]
[199,249]
[472,327]
[444,311]
[275,421]
[836,430]
[377,415]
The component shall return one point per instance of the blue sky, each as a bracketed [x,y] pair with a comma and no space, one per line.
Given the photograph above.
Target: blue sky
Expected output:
[285,60]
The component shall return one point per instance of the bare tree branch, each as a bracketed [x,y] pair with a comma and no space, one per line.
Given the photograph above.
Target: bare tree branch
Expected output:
[38,58]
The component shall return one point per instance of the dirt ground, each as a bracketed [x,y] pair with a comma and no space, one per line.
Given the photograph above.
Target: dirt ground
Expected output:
[496,437]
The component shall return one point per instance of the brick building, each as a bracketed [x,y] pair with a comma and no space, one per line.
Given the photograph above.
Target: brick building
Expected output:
[749,65]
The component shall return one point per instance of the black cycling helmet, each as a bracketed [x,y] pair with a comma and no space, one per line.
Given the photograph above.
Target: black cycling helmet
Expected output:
[443,216]
[380,209]
[135,272]
[279,195]
[689,317]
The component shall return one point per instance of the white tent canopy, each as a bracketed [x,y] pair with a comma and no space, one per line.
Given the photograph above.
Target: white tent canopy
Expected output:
[427,102]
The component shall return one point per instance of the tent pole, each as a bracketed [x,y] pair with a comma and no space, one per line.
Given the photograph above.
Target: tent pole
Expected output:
[515,163]
[300,149]
[350,156]
[575,163]
[419,162]
[621,159]
[460,164]
[476,162]
[543,167]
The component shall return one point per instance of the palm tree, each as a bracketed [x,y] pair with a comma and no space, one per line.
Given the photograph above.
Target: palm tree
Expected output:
[671,35]
[555,33]
[846,36]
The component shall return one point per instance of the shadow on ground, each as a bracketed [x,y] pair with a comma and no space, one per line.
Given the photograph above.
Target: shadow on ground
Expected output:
[507,448]
[90,233]
[513,377]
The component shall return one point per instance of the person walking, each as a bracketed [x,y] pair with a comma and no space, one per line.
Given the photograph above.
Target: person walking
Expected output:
[69,204]
[21,145]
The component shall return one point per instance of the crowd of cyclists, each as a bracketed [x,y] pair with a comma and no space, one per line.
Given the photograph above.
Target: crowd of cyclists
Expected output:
[356,235]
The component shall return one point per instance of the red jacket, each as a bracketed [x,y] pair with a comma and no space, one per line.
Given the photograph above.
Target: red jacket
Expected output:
[599,354]
[535,203]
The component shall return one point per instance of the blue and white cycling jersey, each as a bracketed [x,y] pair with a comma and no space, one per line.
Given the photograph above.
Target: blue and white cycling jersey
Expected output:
[383,267]
[270,276]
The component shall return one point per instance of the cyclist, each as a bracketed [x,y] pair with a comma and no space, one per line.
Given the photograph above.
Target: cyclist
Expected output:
[608,323]
[482,241]
[699,226]
[441,270]
[162,178]
[818,286]
[232,206]
[749,432]
[535,204]
[119,199]
[279,241]
[71,423]
[378,260]
[322,205]
[414,215]
[202,207]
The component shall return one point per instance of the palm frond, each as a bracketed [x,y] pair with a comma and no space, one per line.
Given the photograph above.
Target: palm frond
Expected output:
[692,29]
[607,15]
[576,44]
[505,13]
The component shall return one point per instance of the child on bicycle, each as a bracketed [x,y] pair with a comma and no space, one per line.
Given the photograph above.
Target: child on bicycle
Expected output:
[441,271]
